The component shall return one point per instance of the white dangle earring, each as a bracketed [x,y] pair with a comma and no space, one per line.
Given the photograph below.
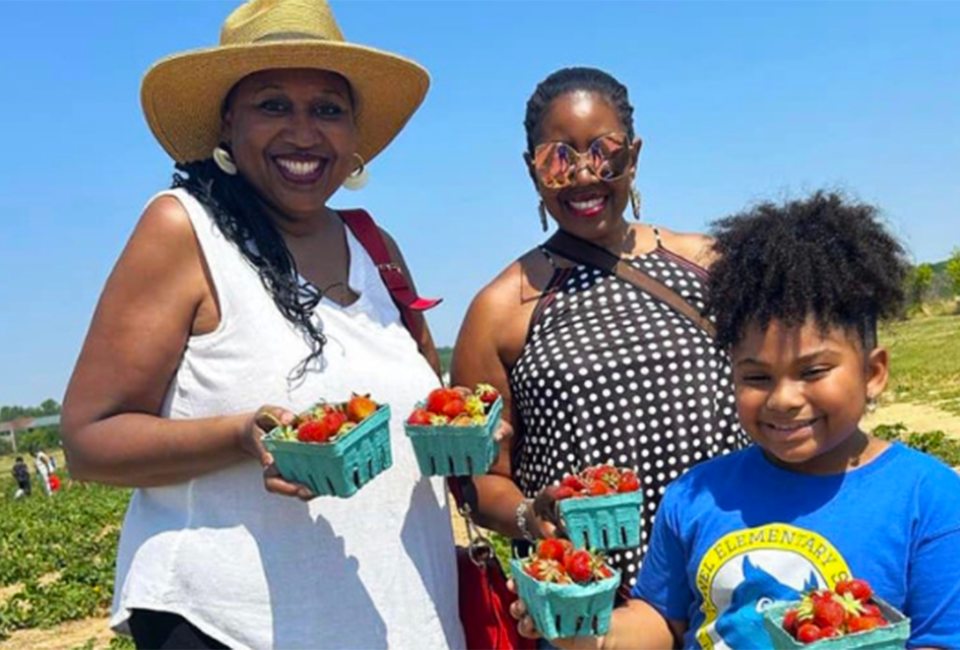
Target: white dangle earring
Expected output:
[359,176]
[224,161]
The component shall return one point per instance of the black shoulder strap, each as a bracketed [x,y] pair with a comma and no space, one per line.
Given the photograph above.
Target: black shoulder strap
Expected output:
[581,251]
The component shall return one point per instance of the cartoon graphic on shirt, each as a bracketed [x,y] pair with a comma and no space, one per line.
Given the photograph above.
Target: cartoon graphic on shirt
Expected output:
[747,570]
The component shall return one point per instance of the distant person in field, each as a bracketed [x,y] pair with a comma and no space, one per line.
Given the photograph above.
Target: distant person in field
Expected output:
[242,298]
[41,463]
[21,474]
[797,294]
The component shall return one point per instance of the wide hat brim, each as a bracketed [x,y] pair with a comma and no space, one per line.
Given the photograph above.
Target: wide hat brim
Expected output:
[182,95]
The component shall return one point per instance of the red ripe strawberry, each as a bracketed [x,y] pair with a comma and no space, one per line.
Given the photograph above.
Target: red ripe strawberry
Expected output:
[439,397]
[628,481]
[790,622]
[453,408]
[869,609]
[808,633]
[551,548]
[419,417]
[599,488]
[487,393]
[360,407]
[572,481]
[579,565]
[864,623]
[829,632]
[333,420]
[312,431]
[859,589]
[608,474]
[828,612]
[564,492]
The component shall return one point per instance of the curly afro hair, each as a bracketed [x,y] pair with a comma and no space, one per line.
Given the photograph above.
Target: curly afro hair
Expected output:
[822,257]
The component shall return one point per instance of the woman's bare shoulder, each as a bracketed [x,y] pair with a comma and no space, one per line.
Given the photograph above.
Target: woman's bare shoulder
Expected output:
[694,246]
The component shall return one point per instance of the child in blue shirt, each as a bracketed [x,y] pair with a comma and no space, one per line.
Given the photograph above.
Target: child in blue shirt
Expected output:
[796,295]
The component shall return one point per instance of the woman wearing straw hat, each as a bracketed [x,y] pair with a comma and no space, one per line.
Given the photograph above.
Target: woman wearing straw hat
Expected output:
[240,289]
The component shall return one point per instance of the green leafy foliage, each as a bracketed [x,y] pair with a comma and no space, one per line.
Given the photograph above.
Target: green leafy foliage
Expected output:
[48,407]
[953,271]
[60,552]
[935,443]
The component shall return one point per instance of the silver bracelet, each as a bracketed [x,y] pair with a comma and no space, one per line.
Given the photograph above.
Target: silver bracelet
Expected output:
[522,519]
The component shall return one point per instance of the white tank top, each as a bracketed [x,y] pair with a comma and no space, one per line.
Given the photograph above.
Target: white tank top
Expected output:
[252,569]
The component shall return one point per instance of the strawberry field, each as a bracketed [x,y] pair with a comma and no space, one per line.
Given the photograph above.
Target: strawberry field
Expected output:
[57,554]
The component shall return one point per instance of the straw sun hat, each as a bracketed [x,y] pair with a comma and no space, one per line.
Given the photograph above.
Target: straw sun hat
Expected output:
[182,95]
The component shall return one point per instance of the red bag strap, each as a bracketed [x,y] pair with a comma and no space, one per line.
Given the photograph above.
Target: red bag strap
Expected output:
[362,226]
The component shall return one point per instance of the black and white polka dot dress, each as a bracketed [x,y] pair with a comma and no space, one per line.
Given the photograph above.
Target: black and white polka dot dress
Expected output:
[609,374]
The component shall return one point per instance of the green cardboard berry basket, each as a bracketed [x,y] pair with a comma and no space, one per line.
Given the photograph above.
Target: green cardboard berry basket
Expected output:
[888,637]
[566,610]
[447,450]
[341,467]
[605,523]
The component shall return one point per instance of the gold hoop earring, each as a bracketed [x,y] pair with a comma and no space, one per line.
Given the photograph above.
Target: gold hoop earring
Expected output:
[359,176]
[224,160]
[635,202]
[543,216]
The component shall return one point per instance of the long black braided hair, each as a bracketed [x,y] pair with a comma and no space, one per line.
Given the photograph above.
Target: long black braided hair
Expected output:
[236,209]
[569,80]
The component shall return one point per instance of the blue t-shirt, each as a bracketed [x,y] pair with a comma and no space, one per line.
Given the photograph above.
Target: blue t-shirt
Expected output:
[736,533]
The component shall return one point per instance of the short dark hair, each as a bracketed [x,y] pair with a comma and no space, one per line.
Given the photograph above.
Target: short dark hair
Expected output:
[822,256]
[568,80]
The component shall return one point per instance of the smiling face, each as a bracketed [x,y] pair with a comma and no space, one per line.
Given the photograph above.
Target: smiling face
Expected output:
[801,393]
[590,207]
[293,137]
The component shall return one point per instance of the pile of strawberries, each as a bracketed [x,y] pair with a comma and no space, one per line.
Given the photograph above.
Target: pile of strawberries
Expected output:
[327,422]
[455,406]
[556,560]
[826,614]
[597,481]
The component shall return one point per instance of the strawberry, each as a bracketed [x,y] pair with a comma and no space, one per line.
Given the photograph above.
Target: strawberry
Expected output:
[808,633]
[360,407]
[579,566]
[550,548]
[864,623]
[333,420]
[869,609]
[439,397]
[564,492]
[859,589]
[453,408]
[599,488]
[572,481]
[790,622]
[829,632]
[487,393]
[828,612]
[419,417]
[545,570]
[312,431]
[628,481]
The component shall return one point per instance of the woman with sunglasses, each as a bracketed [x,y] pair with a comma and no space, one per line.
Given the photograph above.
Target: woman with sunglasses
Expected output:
[593,369]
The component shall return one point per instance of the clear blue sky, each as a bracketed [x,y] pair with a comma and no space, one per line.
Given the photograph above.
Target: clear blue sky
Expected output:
[735,101]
